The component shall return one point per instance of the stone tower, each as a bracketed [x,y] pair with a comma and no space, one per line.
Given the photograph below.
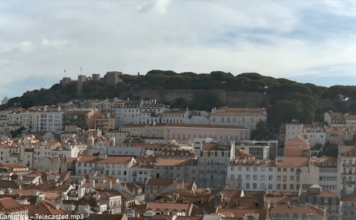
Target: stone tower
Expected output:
[81,80]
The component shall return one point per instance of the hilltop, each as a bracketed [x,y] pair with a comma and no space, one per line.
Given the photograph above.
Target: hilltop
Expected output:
[284,99]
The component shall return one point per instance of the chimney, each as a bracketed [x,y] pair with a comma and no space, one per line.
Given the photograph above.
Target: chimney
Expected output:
[109,185]
[92,184]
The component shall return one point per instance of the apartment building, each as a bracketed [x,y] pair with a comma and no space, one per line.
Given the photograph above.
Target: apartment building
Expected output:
[314,133]
[339,134]
[246,117]
[316,195]
[213,160]
[47,119]
[347,169]
[119,136]
[293,171]
[83,118]
[175,116]
[105,123]
[251,175]
[181,169]
[139,112]
[334,118]
[328,173]
[117,167]
[186,133]
[348,206]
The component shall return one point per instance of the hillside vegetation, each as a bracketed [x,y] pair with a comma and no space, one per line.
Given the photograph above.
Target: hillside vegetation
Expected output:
[287,99]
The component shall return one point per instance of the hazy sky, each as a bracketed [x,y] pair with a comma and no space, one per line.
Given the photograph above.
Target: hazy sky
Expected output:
[311,41]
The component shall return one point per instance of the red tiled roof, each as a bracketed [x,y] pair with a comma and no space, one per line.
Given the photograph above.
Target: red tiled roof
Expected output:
[293,162]
[109,159]
[9,205]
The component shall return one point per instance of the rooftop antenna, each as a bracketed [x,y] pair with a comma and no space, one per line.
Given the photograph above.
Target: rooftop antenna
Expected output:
[65,73]
[81,70]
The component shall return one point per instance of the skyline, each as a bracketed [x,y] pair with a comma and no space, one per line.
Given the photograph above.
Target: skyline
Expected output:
[302,41]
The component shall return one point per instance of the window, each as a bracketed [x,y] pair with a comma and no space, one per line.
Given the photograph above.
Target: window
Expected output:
[270,177]
[278,178]
[254,177]
[255,169]
[291,187]
[247,168]
[247,186]
[262,177]
[247,177]
[284,186]
[291,169]
[232,177]
[255,186]
[279,169]
[284,169]
[262,169]
[292,178]
[270,169]
[278,186]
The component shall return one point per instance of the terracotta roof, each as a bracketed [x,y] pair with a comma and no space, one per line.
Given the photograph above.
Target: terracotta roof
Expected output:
[48,187]
[214,146]
[246,114]
[168,206]
[350,117]
[106,217]
[9,205]
[293,162]
[347,149]
[239,213]
[324,159]
[349,198]
[45,208]
[298,209]
[5,184]
[324,192]
[205,126]
[109,159]
[172,162]
[160,182]
[226,108]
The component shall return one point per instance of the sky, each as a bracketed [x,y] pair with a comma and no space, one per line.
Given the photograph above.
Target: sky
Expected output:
[306,41]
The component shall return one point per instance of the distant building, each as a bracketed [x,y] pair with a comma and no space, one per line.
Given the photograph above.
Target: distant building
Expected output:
[113,77]
[83,118]
[5,100]
[65,81]
[95,77]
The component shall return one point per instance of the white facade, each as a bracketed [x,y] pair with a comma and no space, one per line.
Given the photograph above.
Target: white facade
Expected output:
[253,175]
[114,167]
[245,117]
[48,120]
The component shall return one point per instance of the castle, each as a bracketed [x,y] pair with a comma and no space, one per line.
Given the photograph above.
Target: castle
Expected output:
[111,78]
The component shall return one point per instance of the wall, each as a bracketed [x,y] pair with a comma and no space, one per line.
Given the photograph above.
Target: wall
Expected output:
[230,98]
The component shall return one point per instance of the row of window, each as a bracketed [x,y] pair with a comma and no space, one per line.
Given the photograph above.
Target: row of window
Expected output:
[94,164]
[262,169]
[255,177]
[285,187]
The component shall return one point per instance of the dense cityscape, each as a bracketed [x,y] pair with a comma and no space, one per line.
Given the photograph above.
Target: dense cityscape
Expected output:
[139,159]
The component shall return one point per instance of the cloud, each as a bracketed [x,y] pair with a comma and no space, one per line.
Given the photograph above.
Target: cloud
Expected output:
[55,44]
[275,38]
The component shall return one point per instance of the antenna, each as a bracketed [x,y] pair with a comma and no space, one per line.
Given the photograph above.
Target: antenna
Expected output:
[81,70]
[65,73]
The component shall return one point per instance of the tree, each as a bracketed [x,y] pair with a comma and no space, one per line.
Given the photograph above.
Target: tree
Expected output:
[262,132]
[17,133]
[330,149]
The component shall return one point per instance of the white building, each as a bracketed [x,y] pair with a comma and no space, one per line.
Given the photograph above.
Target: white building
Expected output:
[328,175]
[314,133]
[246,117]
[117,167]
[48,119]
[251,175]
